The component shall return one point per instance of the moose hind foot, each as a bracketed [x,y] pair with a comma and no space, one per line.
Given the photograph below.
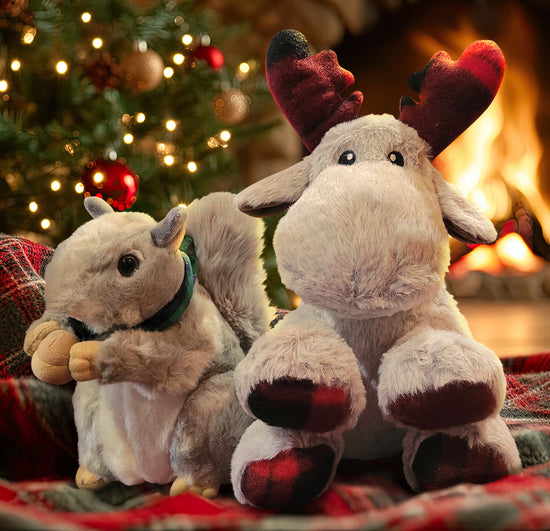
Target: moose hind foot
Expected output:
[454,404]
[300,405]
[444,460]
[291,478]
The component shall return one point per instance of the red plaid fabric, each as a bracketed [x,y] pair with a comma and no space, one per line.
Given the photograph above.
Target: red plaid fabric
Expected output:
[22,265]
[289,479]
[299,404]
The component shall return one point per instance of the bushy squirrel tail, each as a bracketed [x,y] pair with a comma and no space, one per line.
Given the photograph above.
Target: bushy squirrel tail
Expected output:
[229,244]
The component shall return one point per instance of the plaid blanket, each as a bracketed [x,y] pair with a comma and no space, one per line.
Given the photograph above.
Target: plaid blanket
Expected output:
[38,456]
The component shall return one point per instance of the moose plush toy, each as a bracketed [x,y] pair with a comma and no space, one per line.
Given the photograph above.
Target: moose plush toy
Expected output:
[377,359]
[152,342]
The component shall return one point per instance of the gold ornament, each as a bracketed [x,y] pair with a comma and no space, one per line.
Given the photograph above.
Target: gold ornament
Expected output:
[231,106]
[142,71]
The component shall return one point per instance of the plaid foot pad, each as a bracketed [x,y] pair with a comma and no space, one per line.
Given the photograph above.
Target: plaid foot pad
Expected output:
[442,461]
[290,479]
[299,405]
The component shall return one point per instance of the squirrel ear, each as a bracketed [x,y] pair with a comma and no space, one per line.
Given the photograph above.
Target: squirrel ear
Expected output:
[96,207]
[170,231]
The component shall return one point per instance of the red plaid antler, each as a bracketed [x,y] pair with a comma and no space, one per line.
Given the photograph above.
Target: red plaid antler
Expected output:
[307,88]
[453,94]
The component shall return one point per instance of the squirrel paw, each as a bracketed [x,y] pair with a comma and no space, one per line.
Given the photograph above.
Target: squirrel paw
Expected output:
[181,485]
[82,361]
[87,480]
[34,337]
[50,361]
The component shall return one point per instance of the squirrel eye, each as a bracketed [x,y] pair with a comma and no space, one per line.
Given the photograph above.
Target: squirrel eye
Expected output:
[128,265]
[347,158]
[396,158]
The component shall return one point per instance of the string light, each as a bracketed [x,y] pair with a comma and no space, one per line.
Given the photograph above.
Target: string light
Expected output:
[29,33]
[140,117]
[244,68]
[15,65]
[62,67]
[55,186]
[168,160]
[225,136]
[97,43]
[182,205]
[192,167]
[86,17]
[170,125]
[128,138]
[33,206]
[168,72]
[98,177]
[78,188]
[187,39]
[3,85]
[178,58]
[45,223]
[213,142]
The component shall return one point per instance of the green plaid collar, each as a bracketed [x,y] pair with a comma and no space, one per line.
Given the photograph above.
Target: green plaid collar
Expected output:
[169,314]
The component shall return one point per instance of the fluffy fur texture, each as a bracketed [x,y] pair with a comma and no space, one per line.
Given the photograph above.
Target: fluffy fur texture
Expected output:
[155,406]
[365,245]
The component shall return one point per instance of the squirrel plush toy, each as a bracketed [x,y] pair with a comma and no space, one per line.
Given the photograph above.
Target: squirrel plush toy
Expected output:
[151,319]
[377,359]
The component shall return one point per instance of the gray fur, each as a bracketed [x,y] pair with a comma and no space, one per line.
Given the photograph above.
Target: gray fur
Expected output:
[96,207]
[365,246]
[169,232]
[163,405]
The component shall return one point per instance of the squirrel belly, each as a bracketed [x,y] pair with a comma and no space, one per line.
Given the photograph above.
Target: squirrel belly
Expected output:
[133,430]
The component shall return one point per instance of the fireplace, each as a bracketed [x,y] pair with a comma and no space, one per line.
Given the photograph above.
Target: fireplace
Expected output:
[502,163]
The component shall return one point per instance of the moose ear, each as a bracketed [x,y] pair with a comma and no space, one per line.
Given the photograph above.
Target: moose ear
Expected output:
[275,193]
[96,207]
[462,219]
[170,231]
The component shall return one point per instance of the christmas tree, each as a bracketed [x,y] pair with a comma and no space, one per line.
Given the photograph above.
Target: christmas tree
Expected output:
[129,100]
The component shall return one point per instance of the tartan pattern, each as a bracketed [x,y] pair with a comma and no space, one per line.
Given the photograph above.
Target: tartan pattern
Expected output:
[299,404]
[453,404]
[38,436]
[38,447]
[22,265]
[441,458]
[290,479]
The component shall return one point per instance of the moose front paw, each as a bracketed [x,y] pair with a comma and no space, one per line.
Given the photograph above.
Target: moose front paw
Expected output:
[301,377]
[82,361]
[300,405]
[439,379]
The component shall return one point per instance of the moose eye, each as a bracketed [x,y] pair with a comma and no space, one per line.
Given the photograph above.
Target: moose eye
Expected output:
[396,158]
[347,158]
[127,265]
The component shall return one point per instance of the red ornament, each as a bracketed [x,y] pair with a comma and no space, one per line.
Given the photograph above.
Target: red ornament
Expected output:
[210,54]
[112,181]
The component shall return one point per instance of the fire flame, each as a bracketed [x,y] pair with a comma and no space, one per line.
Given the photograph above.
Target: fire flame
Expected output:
[509,255]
